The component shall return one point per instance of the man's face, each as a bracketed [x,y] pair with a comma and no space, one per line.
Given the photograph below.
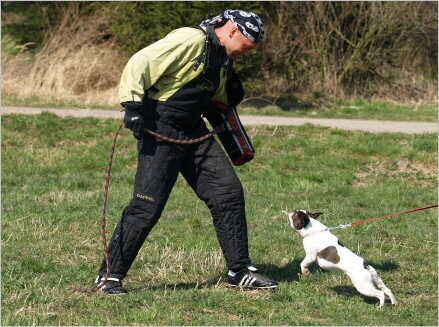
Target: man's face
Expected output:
[238,45]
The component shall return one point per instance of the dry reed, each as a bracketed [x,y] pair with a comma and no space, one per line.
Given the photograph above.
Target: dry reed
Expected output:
[79,62]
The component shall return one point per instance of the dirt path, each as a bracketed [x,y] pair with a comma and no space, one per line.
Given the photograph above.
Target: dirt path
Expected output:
[374,126]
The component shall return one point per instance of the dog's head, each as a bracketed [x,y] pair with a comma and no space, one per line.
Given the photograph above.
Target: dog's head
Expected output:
[299,219]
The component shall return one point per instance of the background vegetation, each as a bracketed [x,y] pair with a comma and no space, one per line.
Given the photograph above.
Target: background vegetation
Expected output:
[328,59]
[314,52]
[52,177]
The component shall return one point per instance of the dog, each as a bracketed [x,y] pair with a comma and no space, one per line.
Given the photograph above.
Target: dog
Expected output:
[322,246]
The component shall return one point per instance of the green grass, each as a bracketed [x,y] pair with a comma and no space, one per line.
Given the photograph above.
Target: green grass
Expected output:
[48,102]
[346,109]
[52,183]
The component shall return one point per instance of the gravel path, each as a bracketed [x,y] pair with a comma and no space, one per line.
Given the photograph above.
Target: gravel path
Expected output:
[374,126]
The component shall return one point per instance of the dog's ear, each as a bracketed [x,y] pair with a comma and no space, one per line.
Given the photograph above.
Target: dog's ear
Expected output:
[315,215]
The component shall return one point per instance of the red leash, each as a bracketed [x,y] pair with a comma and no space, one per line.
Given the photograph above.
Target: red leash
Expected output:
[395,214]
[378,218]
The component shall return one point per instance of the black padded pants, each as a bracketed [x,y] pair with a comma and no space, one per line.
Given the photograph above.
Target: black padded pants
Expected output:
[210,174]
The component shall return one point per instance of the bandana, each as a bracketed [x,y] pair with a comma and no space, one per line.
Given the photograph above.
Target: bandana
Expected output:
[248,23]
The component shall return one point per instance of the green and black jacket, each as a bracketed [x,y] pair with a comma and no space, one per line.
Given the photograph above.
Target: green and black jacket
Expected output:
[176,78]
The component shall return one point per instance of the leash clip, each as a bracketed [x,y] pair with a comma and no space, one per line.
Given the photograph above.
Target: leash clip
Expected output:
[341,226]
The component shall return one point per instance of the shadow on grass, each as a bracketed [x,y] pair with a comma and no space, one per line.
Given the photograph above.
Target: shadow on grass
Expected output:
[179,286]
[284,103]
[383,266]
[289,273]
[286,274]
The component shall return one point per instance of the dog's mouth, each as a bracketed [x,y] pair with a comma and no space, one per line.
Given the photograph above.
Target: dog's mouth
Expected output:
[292,220]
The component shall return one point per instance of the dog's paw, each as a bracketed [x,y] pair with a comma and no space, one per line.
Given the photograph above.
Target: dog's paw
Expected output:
[306,272]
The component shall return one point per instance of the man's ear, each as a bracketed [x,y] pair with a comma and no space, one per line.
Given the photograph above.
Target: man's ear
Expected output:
[233,32]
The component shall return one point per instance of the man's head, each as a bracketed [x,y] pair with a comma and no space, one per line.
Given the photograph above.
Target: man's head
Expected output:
[238,31]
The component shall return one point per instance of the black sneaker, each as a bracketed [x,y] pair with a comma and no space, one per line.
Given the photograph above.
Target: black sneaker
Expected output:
[248,278]
[112,286]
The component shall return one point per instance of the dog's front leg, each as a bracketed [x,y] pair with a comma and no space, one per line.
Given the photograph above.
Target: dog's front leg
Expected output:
[306,262]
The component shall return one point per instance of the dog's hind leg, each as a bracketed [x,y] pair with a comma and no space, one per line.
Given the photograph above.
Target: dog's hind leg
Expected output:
[362,281]
[380,284]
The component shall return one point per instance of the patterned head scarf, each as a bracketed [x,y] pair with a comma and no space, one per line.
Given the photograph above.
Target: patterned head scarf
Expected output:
[247,22]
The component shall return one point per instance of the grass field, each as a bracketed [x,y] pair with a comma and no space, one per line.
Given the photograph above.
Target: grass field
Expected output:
[52,184]
[346,109]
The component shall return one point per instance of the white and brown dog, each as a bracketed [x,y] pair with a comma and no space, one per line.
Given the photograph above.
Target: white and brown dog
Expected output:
[322,246]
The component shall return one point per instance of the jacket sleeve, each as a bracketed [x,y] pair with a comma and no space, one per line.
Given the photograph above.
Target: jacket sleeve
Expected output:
[162,58]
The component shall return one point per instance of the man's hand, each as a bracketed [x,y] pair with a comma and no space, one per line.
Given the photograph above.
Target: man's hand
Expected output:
[133,118]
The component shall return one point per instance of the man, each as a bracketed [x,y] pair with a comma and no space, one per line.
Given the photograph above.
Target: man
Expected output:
[166,88]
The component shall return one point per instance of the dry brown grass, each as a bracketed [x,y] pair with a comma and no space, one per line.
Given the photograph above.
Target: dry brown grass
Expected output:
[384,54]
[423,175]
[78,62]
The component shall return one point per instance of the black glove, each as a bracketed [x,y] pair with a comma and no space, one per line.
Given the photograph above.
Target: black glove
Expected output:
[133,118]
[235,91]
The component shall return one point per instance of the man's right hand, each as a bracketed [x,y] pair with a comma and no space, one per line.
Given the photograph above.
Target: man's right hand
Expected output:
[133,118]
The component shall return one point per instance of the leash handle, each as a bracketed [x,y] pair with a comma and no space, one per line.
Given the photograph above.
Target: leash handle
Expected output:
[395,214]
[104,217]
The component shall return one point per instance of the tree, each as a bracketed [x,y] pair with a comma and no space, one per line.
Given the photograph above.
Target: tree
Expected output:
[138,24]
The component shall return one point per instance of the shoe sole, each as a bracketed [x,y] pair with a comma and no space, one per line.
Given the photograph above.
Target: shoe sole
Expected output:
[121,293]
[103,290]
[253,287]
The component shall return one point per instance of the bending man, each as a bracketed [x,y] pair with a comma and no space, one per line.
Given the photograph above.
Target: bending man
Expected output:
[167,87]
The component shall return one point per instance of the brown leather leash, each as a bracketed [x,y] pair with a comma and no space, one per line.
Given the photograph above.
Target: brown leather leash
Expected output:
[359,222]
[216,130]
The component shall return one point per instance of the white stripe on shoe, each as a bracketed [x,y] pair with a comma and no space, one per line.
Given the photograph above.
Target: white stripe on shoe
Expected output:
[247,281]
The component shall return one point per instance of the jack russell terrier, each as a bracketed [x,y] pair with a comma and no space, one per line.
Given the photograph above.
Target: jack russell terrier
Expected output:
[325,248]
